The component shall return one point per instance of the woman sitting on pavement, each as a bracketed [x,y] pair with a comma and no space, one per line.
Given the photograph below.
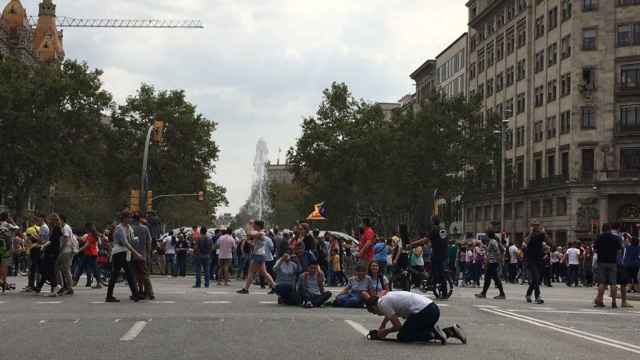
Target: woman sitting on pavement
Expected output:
[312,287]
[357,290]
[286,277]
[380,282]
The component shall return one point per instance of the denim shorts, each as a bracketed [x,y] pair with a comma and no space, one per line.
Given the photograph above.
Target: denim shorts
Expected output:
[257,259]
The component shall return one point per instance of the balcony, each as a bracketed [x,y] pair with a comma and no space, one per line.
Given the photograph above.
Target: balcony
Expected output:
[626,130]
[547,181]
[623,90]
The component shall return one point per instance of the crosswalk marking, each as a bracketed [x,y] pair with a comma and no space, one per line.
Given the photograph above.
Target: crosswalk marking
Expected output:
[48,302]
[216,302]
[135,330]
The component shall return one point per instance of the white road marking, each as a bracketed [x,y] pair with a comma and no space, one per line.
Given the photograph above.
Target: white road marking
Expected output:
[218,292]
[357,327]
[442,305]
[216,302]
[2,302]
[97,302]
[569,331]
[268,302]
[135,330]
[116,320]
[571,312]
[162,302]
[486,306]
[260,293]
[48,302]
[43,321]
[76,321]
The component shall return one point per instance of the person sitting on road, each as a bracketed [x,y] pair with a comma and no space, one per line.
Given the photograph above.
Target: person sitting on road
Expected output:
[312,287]
[357,290]
[286,277]
[421,316]
[416,263]
[380,282]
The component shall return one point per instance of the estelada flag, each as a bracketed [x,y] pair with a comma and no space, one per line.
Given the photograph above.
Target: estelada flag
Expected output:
[319,212]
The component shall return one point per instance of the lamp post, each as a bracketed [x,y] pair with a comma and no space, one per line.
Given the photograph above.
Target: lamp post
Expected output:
[506,113]
[157,127]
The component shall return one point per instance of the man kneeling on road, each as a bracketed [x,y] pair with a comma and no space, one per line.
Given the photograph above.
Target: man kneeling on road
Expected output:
[421,316]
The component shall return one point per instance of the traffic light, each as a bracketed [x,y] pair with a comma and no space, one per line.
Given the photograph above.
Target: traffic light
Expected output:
[134,201]
[158,130]
[201,196]
[149,200]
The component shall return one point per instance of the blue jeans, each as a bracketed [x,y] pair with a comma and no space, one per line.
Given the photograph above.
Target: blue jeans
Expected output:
[88,265]
[170,264]
[201,264]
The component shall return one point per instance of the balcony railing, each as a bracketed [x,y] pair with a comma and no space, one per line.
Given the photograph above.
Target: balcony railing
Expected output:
[629,129]
[547,181]
[627,90]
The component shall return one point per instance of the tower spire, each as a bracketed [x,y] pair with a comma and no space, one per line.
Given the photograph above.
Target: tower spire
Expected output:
[47,8]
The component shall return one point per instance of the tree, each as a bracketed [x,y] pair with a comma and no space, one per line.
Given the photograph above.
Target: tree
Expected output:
[50,123]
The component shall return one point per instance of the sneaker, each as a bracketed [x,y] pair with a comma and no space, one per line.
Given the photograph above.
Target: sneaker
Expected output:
[68,292]
[528,298]
[500,297]
[242,291]
[481,296]
[196,286]
[539,301]
[456,332]
[151,297]
[598,305]
[438,334]
[111,300]
[614,306]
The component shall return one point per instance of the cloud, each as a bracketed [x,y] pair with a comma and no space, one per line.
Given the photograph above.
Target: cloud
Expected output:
[260,66]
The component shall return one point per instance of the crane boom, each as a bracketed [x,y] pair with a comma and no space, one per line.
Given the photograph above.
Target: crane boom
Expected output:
[65,21]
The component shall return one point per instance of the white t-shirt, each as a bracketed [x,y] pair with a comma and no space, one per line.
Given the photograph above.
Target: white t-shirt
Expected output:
[169,247]
[513,254]
[65,247]
[402,304]
[573,255]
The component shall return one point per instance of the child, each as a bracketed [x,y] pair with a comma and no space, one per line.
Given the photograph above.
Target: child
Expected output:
[336,276]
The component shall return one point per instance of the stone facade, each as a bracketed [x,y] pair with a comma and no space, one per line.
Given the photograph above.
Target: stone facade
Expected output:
[451,68]
[566,77]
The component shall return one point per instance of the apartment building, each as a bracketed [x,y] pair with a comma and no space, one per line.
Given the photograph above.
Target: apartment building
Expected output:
[451,68]
[565,75]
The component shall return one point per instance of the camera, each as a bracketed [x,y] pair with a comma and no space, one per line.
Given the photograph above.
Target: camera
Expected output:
[373,335]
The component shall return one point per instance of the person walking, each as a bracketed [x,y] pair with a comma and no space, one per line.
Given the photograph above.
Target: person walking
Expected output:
[35,254]
[631,262]
[366,243]
[257,265]
[607,246]
[572,259]
[50,251]
[534,255]
[493,258]
[88,262]
[182,249]
[142,244]
[68,248]
[226,246]
[121,253]
[169,245]
[202,249]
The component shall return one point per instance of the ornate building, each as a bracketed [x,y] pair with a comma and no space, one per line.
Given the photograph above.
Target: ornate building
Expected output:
[30,45]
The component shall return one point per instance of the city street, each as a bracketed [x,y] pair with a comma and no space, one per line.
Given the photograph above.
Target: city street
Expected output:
[217,323]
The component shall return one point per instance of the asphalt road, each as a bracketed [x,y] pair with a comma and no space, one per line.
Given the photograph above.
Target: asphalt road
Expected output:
[217,323]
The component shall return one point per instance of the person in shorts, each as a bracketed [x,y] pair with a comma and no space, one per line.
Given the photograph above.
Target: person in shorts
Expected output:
[607,246]
[258,257]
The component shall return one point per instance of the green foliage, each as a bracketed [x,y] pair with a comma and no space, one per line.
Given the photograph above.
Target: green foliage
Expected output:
[362,165]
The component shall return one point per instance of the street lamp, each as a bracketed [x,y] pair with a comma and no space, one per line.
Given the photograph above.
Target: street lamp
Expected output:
[506,114]
[157,128]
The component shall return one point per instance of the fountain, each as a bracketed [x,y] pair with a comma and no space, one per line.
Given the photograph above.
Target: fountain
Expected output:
[258,204]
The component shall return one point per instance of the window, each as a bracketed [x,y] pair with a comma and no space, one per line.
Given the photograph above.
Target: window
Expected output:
[552,54]
[551,127]
[510,40]
[520,103]
[508,142]
[478,214]
[630,117]
[588,117]
[490,54]
[520,136]
[547,207]
[551,165]
[629,34]
[566,10]
[561,206]
[537,167]
[588,78]
[510,76]
[538,132]
[487,212]
[473,43]
[520,174]
[511,11]
[565,122]
[469,214]
[628,2]
[519,210]
[480,61]
[508,209]
[565,85]
[540,27]
[553,18]
[565,47]
[500,20]
[481,91]
[499,48]
[508,108]
[539,65]
[539,96]
[588,163]
[589,5]
[589,39]
[522,33]
[535,208]
[552,91]
[499,82]
[472,71]
[564,164]
[522,5]
[522,70]
[630,160]
[489,87]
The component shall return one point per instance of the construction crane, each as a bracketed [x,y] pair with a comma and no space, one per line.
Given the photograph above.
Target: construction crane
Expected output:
[70,22]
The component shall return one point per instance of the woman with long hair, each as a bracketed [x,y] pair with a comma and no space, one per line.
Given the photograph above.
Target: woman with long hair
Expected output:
[380,282]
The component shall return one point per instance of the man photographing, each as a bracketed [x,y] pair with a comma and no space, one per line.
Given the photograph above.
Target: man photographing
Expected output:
[421,316]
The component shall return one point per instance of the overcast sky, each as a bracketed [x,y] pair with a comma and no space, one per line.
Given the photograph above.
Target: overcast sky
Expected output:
[260,66]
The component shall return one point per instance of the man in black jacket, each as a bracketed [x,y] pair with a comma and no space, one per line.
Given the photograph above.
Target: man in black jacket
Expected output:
[535,263]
